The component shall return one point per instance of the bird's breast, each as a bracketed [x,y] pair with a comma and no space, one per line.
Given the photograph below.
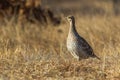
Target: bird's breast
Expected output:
[71,44]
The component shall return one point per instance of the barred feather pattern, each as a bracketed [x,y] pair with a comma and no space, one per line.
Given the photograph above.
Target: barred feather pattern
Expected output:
[77,45]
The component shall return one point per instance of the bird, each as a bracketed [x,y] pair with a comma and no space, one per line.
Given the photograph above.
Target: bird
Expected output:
[77,45]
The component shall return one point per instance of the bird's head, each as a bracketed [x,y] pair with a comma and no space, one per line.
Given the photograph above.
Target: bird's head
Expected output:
[71,18]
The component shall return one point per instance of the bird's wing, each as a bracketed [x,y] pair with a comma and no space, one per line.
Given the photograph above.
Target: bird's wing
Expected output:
[86,47]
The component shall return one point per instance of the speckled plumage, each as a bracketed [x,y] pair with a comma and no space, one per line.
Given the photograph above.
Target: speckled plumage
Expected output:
[76,45]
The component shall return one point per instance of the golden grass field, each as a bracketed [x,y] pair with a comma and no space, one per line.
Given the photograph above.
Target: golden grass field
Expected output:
[37,52]
[30,51]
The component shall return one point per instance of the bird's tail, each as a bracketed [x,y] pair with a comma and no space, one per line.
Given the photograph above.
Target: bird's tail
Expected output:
[97,57]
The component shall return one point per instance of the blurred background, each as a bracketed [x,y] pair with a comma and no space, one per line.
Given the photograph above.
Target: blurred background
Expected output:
[42,10]
[33,37]
[84,7]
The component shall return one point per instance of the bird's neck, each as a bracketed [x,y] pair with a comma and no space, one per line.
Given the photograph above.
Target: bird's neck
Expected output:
[72,27]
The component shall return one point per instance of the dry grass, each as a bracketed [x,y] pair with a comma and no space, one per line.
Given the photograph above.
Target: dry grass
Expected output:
[34,52]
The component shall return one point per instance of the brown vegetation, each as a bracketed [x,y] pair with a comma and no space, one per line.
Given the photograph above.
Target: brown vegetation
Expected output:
[27,9]
[33,52]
